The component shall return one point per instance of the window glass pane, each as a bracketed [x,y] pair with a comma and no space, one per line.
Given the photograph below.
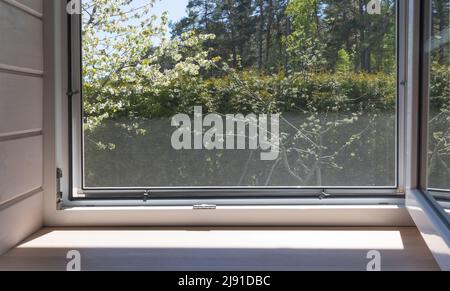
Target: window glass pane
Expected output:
[239,93]
[439,92]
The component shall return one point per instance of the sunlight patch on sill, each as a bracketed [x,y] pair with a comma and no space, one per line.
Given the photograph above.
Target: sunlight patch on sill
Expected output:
[220,239]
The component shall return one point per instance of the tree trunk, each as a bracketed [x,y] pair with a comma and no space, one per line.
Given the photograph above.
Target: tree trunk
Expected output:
[364,49]
[366,60]
[269,31]
[317,18]
[443,25]
[260,34]
[286,55]
[205,17]
[231,21]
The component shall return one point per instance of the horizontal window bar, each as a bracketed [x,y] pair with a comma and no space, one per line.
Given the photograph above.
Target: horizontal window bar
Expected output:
[397,201]
[231,193]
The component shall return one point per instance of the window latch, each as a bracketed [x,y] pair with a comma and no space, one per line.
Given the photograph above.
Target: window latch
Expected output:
[146,196]
[59,194]
[400,191]
[324,195]
[72,93]
[204,207]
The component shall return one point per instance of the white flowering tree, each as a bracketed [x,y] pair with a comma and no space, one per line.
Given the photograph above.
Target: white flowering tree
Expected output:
[128,55]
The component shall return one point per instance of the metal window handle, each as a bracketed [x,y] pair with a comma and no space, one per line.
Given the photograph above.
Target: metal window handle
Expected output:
[204,207]
[72,93]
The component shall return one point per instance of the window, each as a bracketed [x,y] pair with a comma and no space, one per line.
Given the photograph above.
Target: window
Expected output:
[239,94]
[437,93]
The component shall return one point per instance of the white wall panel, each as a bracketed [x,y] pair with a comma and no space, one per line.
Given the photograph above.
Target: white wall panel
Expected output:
[21,120]
[19,221]
[20,166]
[33,4]
[21,38]
[20,102]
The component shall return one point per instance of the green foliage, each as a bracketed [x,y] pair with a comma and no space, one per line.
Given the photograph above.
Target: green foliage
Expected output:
[304,46]
[439,125]
[331,118]
[343,62]
[325,65]
[251,92]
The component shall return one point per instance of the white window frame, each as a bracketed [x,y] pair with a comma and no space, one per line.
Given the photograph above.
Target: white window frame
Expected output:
[377,207]
[77,194]
[429,217]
